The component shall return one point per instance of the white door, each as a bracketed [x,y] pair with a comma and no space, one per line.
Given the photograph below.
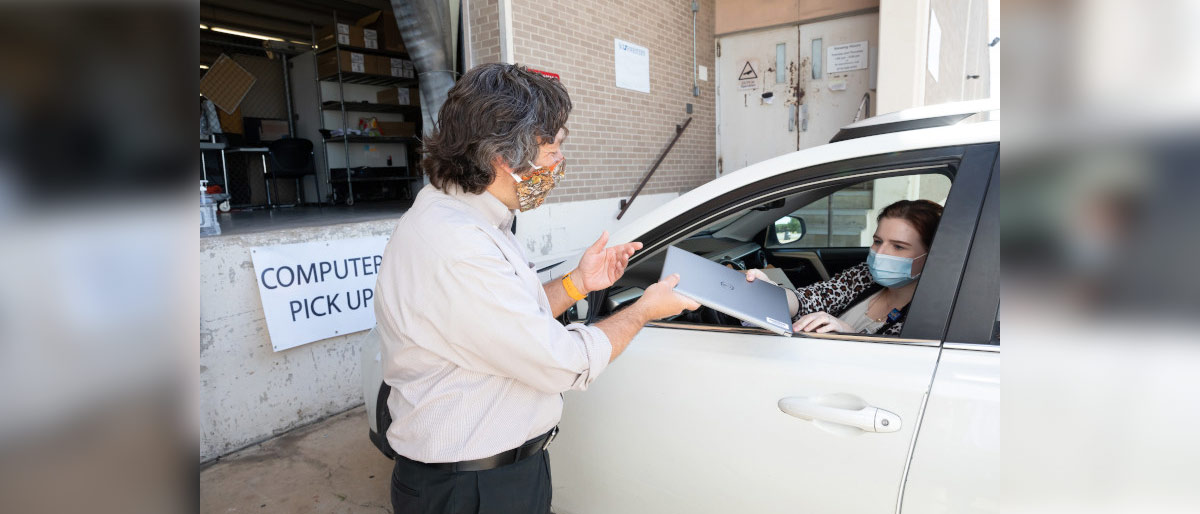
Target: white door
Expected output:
[688,421]
[837,65]
[775,95]
[751,127]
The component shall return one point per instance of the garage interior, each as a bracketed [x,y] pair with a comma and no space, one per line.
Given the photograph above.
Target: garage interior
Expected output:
[310,113]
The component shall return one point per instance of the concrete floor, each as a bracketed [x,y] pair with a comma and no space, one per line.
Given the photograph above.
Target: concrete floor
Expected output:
[327,467]
[262,220]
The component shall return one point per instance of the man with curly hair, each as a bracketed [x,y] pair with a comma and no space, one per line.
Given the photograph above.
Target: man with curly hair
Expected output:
[472,351]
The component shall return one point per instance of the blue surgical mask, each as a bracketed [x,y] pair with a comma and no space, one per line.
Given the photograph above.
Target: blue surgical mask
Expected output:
[891,271]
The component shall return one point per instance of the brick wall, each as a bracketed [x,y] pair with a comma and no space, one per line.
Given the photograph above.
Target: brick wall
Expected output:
[484,18]
[616,134]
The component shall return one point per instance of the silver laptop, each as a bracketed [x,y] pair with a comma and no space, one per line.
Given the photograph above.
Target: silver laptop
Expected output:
[726,290]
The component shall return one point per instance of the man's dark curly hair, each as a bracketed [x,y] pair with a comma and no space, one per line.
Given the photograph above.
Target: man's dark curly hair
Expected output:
[494,110]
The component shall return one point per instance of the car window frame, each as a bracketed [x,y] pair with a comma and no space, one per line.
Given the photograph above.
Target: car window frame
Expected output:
[977,308]
[797,244]
[955,159]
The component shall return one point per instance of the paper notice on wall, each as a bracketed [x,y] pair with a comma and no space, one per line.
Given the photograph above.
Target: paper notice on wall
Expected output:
[632,66]
[314,291]
[934,58]
[847,57]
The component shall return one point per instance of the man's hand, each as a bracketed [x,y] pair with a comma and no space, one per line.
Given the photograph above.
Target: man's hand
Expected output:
[820,322]
[600,267]
[660,299]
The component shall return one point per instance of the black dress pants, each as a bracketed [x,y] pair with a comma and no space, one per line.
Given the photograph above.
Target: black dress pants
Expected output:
[519,488]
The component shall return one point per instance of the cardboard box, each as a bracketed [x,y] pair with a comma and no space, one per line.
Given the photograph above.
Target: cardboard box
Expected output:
[402,68]
[327,63]
[398,96]
[398,128]
[232,123]
[386,32]
[377,65]
[346,34]
[271,130]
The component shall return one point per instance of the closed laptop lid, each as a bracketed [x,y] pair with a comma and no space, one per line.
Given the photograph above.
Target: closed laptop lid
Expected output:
[726,290]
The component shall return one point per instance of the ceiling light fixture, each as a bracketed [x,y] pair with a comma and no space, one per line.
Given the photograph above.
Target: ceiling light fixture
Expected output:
[203,27]
[204,66]
[245,34]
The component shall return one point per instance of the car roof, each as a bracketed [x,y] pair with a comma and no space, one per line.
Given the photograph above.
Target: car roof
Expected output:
[942,136]
[939,115]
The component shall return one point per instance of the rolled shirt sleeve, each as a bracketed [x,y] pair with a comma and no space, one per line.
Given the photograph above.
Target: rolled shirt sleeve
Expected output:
[492,321]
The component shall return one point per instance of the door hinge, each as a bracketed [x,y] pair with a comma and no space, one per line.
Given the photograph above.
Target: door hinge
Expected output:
[720,165]
[718,48]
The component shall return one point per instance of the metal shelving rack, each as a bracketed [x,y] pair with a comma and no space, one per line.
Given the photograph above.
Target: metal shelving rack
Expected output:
[364,174]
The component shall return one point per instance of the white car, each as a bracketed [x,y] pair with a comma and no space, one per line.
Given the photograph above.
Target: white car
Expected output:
[703,415]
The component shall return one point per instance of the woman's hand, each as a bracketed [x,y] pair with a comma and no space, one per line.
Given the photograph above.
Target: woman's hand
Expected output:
[600,267]
[757,274]
[820,322]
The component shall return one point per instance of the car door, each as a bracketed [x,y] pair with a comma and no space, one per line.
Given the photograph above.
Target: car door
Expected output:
[955,466]
[690,420]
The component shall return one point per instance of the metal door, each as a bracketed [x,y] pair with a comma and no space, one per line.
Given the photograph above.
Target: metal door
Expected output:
[756,89]
[837,66]
[789,88]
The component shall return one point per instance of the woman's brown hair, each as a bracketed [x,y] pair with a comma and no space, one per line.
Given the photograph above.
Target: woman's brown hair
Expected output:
[923,215]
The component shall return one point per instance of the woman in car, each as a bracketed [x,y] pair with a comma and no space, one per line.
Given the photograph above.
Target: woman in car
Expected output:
[872,297]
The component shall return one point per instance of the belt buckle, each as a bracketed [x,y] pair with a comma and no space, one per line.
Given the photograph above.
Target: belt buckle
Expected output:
[553,432]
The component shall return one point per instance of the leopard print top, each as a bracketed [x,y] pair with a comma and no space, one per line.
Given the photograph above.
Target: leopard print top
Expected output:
[837,294]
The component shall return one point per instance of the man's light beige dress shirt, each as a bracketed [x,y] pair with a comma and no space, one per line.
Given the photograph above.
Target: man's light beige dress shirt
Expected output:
[473,353]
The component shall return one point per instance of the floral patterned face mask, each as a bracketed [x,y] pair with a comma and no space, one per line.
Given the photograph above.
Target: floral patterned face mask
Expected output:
[537,183]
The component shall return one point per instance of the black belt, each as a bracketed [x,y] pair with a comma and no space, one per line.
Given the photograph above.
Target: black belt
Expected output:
[530,448]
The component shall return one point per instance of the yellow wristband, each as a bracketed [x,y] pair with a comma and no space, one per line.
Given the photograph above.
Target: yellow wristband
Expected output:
[572,291]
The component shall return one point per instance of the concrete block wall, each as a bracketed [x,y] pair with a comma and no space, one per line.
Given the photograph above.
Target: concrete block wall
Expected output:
[248,391]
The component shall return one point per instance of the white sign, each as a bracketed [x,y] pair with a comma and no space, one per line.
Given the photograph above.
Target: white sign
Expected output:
[747,75]
[934,58]
[847,57]
[314,291]
[633,66]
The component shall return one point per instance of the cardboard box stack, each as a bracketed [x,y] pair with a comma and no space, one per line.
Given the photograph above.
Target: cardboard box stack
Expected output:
[344,33]
[376,31]
[398,96]
[387,33]
[354,62]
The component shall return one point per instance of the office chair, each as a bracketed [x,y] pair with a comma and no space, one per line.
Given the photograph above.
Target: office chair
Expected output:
[290,158]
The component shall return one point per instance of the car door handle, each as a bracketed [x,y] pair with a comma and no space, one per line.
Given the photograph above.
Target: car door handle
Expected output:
[863,417]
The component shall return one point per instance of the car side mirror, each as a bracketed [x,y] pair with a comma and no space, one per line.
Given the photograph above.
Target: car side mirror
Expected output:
[788,229]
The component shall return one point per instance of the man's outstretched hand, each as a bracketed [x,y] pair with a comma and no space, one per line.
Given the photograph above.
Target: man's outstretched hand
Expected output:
[601,267]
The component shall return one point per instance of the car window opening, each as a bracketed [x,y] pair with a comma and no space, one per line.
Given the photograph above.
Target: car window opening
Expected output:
[798,241]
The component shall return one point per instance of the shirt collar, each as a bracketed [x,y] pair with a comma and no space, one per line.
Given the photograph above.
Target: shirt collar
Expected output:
[491,208]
